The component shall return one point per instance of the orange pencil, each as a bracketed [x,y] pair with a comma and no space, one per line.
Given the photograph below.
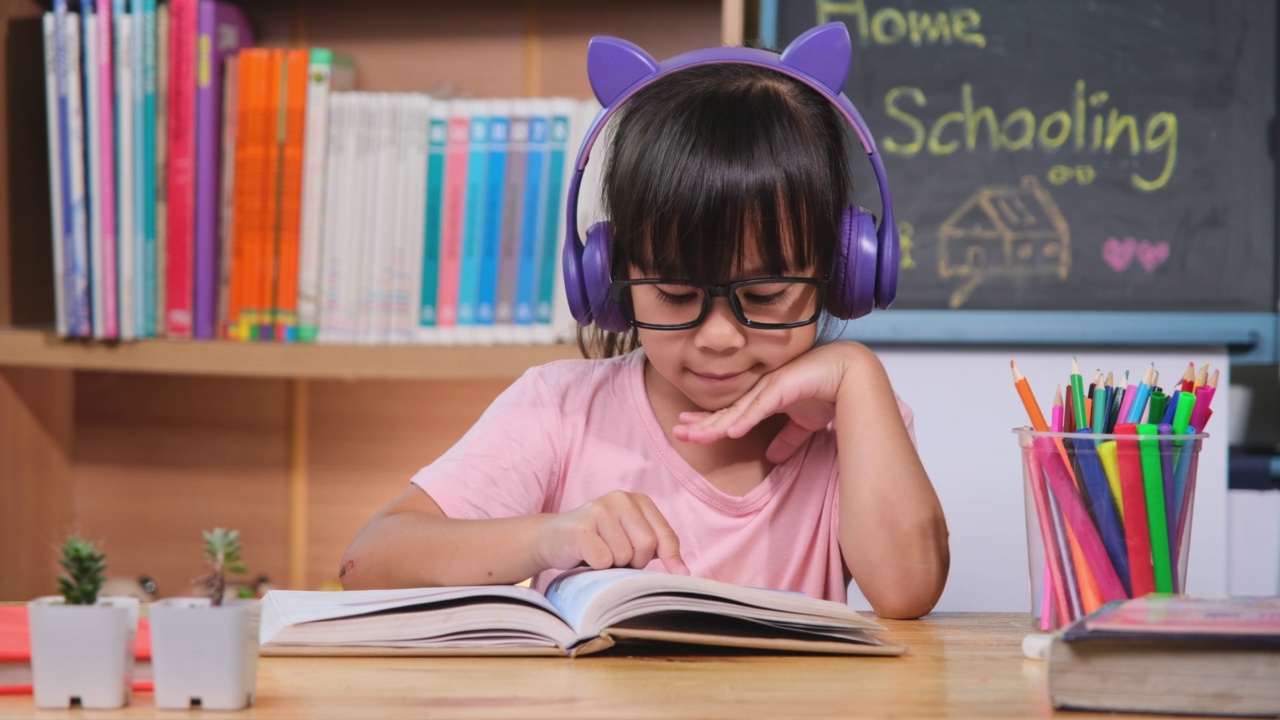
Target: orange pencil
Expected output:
[1029,400]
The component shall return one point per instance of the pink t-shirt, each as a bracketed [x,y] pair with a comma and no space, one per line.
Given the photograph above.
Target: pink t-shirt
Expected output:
[570,431]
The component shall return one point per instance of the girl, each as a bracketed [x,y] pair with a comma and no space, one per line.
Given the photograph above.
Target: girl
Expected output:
[715,436]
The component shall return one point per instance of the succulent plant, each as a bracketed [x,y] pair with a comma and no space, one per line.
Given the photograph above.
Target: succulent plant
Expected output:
[222,554]
[85,571]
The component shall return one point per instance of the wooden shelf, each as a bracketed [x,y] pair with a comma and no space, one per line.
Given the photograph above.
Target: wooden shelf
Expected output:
[34,348]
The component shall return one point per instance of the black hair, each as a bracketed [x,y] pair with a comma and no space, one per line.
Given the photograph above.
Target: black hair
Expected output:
[712,160]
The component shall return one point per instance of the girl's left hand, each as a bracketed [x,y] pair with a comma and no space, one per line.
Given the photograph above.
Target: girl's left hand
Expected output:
[805,389]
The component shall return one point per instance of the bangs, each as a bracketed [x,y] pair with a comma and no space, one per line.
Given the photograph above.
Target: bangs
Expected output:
[740,176]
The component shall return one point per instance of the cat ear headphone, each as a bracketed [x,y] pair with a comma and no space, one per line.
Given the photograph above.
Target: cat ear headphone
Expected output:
[866,271]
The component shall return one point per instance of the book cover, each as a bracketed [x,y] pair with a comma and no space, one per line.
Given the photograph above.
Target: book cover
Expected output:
[15,653]
[329,72]
[336,275]
[106,168]
[80,323]
[453,212]
[56,201]
[93,202]
[583,612]
[162,164]
[230,114]
[267,268]
[145,200]
[285,299]
[513,208]
[437,139]
[551,240]
[126,230]
[494,201]
[181,170]
[406,271]
[253,137]
[378,211]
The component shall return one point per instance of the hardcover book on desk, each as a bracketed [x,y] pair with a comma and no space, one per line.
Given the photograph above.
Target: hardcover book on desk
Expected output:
[1171,654]
[583,612]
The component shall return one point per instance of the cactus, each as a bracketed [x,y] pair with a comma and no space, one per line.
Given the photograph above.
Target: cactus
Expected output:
[85,571]
[222,554]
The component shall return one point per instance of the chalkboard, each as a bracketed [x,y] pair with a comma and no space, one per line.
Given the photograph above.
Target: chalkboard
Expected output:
[1052,155]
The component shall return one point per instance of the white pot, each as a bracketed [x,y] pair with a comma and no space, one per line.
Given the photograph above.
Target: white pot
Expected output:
[82,653]
[204,656]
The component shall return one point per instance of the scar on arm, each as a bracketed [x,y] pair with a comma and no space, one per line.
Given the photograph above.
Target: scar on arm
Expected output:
[342,573]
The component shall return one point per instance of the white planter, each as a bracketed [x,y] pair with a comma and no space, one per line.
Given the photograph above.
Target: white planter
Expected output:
[82,653]
[204,656]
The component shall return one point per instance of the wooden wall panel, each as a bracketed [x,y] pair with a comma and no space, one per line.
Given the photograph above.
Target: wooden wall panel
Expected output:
[158,459]
[367,439]
[36,500]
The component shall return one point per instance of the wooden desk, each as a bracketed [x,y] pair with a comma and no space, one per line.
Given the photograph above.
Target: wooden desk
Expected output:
[958,665]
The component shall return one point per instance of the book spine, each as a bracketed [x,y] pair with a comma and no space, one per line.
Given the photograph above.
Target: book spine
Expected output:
[221,31]
[322,80]
[251,187]
[181,169]
[495,180]
[89,57]
[452,213]
[106,169]
[56,201]
[394,275]
[126,185]
[473,222]
[415,198]
[81,320]
[227,191]
[162,164]
[337,213]
[437,140]
[512,219]
[550,242]
[297,63]
[145,106]
[534,208]
[268,245]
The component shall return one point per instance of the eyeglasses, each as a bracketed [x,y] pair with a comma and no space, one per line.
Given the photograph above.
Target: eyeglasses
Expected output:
[763,303]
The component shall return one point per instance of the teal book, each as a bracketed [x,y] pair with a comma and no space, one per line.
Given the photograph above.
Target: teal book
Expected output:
[494,195]
[534,208]
[437,141]
[145,172]
[550,241]
[473,219]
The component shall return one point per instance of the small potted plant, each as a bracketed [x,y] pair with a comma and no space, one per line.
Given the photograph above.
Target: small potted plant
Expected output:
[204,650]
[82,644]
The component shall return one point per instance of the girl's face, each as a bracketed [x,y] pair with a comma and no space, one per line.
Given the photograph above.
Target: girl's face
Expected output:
[714,363]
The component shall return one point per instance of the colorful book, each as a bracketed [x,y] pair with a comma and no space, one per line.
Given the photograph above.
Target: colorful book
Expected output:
[473,222]
[253,139]
[106,169]
[494,200]
[329,72]
[514,176]
[181,170]
[145,201]
[126,184]
[56,204]
[222,30]
[535,207]
[78,274]
[267,247]
[453,212]
[551,240]
[93,201]
[437,140]
[226,194]
[162,163]
[285,297]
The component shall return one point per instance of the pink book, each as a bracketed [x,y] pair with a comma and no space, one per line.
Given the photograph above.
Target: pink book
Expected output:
[107,173]
[452,213]
[1181,615]
[180,226]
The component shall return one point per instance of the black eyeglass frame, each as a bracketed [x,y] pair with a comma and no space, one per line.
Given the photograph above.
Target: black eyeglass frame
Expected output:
[620,288]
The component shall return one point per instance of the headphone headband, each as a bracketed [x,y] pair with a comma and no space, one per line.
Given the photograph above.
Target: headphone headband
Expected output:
[819,58]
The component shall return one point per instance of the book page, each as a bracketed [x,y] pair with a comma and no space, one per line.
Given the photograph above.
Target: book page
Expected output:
[592,600]
[473,616]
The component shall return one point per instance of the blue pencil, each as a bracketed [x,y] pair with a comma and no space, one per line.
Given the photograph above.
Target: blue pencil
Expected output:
[1104,509]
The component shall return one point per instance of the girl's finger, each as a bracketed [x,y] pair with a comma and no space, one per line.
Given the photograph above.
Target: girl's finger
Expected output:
[786,442]
[615,537]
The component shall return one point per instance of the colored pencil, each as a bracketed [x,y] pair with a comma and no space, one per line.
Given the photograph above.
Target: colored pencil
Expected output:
[1077,395]
[1189,378]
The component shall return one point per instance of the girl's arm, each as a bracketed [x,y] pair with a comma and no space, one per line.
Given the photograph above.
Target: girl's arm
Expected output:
[410,543]
[892,531]
[893,535]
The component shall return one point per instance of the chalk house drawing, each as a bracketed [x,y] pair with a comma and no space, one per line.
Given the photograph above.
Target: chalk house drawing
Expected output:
[1003,231]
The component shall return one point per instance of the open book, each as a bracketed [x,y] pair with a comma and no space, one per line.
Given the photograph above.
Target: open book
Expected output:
[584,611]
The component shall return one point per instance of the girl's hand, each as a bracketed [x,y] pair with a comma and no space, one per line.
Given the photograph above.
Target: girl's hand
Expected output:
[805,389]
[620,529]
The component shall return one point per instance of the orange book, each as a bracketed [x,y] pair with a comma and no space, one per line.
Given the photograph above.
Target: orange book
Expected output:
[250,188]
[268,236]
[295,127]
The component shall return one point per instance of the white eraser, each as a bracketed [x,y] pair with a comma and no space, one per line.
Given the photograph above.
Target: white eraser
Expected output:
[1036,646]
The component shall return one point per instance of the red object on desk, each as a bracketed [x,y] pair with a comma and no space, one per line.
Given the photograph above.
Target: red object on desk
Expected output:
[15,648]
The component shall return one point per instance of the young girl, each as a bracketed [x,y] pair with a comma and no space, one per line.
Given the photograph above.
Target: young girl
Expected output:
[715,436]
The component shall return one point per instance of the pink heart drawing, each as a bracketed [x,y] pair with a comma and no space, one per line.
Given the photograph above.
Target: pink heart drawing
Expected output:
[1119,253]
[1152,255]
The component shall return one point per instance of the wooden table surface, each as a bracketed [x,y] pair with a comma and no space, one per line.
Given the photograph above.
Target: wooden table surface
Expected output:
[963,665]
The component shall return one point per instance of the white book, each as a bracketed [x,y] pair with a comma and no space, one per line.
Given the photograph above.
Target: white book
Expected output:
[97,282]
[392,215]
[336,231]
[80,319]
[128,284]
[379,216]
[49,26]
[413,210]
[362,199]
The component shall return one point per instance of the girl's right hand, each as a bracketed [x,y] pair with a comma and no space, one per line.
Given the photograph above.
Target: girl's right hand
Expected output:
[620,529]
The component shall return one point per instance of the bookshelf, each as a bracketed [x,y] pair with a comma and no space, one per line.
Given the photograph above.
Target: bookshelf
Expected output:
[142,445]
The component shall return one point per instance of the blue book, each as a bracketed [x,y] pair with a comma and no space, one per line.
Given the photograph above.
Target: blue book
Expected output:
[534,209]
[495,180]
[473,218]
[549,244]
[437,141]
[515,173]
[74,281]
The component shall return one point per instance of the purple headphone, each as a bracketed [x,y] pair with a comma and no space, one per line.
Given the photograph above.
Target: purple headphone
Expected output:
[867,270]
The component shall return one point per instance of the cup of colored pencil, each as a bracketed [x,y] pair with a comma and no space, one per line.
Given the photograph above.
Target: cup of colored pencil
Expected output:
[1109,486]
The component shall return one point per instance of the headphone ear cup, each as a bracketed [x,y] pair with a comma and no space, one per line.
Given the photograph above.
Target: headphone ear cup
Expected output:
[854,282]
[575,289]
[887,275]
[597,274]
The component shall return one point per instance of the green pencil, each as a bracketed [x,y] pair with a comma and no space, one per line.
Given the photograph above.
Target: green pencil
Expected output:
[1153,489]
[1077,395]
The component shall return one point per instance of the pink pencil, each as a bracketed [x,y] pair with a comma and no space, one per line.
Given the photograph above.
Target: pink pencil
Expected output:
[1130,391]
